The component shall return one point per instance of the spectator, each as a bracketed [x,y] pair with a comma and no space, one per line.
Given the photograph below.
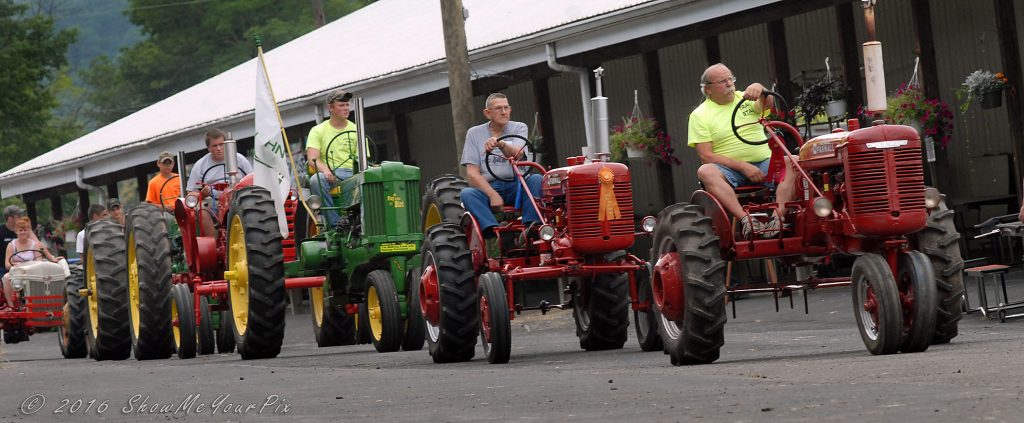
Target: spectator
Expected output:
[96,212]
[163,188]
[115,210]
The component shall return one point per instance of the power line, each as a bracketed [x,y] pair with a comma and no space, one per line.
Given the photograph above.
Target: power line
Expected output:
[129,8]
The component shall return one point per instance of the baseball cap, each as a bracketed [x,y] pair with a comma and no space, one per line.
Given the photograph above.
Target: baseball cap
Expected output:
[165,156]
[113,202]
[337,95]
[13,210]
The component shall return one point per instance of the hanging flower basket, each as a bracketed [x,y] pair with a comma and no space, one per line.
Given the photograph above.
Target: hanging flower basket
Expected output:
[992,100]
[836,109]
[635,153]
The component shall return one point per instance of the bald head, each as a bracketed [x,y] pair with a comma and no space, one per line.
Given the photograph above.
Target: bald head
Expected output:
[711,71]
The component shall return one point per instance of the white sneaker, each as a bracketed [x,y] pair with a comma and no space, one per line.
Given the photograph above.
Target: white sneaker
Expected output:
[750,225]
[768,229]
[772,228]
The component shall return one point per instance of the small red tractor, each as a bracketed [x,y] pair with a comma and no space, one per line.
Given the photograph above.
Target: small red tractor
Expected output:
[586,212]
[34,300]
[858,192]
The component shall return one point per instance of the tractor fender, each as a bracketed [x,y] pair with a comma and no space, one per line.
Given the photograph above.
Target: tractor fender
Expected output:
[719,218]
[206,254]
[476,240]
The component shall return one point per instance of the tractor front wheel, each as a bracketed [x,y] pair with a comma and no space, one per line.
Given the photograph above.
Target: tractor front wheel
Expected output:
[332,326]
[876,304]
[918,298]
[600,306]
[646,322]
[255,274]
[225,335]
[107,334]
[385,316]
[205,327]
[688,285]
[415,331]
[448,294]
[71,336]
[183,321]
[495,322]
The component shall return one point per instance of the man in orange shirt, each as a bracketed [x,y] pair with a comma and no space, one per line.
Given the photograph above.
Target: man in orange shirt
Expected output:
[165,186]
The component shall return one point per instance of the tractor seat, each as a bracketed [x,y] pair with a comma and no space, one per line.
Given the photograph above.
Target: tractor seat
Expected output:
[747,193]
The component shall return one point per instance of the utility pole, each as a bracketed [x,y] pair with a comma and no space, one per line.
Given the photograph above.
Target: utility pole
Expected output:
[318,13]
[460,89]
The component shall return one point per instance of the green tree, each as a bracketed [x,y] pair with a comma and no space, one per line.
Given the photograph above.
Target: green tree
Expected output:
[32,52]
[184,43]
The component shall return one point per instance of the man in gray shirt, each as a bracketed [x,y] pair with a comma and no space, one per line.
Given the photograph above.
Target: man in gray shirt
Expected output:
[488,192]
[210,169]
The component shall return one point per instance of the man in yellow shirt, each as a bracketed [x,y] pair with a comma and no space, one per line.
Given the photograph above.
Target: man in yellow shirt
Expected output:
[331,148]
[729,162]
[160,190]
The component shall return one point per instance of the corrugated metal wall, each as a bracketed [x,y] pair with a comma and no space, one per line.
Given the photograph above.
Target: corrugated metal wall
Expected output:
[431,141]
[681,67]
[567,112]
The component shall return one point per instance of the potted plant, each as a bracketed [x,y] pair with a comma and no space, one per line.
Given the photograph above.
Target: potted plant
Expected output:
[985,86]
[825,96]
[931,117]
[641,137]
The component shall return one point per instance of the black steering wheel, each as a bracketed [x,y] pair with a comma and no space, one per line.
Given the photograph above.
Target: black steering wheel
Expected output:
[161,192]
[327,151]
[11,262]
[779,105]
[487,157]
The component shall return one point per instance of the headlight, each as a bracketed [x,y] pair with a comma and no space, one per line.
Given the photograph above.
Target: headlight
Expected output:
[932,198]
[822,207]
[547,232]
[18,284]
[314,202]
[191,201]
[647,225]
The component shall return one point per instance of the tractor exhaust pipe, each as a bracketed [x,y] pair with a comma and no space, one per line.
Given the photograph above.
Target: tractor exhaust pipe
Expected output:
[600,118]
[360,134]
[231,159]
[181,174]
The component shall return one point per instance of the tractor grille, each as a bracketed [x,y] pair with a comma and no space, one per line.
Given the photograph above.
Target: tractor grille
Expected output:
[412,206]
[582,203]
[374,217]
[870,189]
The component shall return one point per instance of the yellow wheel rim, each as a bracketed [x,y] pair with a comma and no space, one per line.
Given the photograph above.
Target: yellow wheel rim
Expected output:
[175,318]
[433,217]
[94,298]
[133,283]
[316,304]
[373,311]
[237,274]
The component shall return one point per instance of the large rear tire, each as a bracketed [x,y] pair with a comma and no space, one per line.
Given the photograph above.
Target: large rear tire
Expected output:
[255,274]
[446,254]
[415,331]
[385,314]
[107,333]
[184,321]
[876,304]
[600,307]
[442,201]
[686,241]
[939,240]
[646,322]
[495,324]
[149,282]
[71,335]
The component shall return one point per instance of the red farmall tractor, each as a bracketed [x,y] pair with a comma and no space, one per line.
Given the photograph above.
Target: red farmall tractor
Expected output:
[586,212]
[858,192]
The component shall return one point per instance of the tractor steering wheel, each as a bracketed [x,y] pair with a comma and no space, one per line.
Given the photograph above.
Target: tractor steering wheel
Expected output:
[735,128]
[327,152]
[526,145]
[164,185]
[38,252]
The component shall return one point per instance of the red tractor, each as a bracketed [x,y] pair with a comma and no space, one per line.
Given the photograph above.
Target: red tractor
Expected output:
[586,212]
[34,300]
[858,192]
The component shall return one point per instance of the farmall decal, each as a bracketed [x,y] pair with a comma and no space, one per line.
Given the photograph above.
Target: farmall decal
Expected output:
[887,144]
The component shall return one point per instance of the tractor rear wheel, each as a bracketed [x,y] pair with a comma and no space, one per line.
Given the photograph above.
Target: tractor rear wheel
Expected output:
[149,282]
[495,324]
[107,333]
[205,327]
[939,240]
[184,321]
[442,201]
[362,324]
[71,334]
[332,326]
[415,331]
[918,297]
[385,314]
[225,337]
[255,274]
[447,261]
[687,255]
[600,306]
[876,304]
[646,322]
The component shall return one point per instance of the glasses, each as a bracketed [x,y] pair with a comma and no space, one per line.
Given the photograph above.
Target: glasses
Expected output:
[725,81]
[501,108]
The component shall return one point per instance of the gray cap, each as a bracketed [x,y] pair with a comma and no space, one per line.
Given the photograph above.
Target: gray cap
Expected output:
[13,210]
[337,95]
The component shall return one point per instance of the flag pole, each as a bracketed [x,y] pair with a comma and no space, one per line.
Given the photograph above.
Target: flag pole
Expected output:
[284,134]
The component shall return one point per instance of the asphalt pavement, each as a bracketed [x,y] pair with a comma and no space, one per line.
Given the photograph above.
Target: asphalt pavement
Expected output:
[775,366]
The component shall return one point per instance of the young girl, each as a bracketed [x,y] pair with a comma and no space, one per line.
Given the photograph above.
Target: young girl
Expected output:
[21,250]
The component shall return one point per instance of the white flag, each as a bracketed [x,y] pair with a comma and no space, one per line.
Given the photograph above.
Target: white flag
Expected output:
[271,157]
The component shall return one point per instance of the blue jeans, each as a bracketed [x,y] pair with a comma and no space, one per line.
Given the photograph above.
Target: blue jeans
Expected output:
[738,179]
[476,202]
[318,185]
